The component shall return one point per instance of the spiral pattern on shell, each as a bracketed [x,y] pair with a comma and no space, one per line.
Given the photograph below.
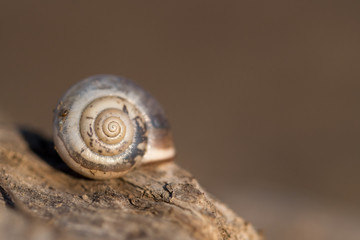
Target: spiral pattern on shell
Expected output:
[106,125]
[110,125]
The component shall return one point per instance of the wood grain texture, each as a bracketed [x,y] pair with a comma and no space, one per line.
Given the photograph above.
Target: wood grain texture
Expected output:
[41,198]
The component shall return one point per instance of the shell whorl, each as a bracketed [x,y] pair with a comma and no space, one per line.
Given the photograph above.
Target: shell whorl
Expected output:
[111,125]
[106,125]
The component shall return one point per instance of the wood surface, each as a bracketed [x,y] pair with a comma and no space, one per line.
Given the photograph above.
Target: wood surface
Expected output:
[41,198]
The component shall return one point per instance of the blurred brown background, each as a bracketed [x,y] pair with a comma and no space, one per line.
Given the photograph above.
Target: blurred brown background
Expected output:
[263,96]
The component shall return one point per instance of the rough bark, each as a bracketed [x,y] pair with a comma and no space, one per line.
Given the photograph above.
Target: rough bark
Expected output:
[41,198]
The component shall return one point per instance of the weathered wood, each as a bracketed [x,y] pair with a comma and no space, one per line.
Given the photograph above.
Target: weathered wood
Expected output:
[41,198]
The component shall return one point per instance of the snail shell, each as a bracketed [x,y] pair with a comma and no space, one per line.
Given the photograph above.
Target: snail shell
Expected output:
[106,125]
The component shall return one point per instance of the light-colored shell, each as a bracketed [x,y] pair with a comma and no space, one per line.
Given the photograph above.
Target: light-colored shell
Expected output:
[106,125]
